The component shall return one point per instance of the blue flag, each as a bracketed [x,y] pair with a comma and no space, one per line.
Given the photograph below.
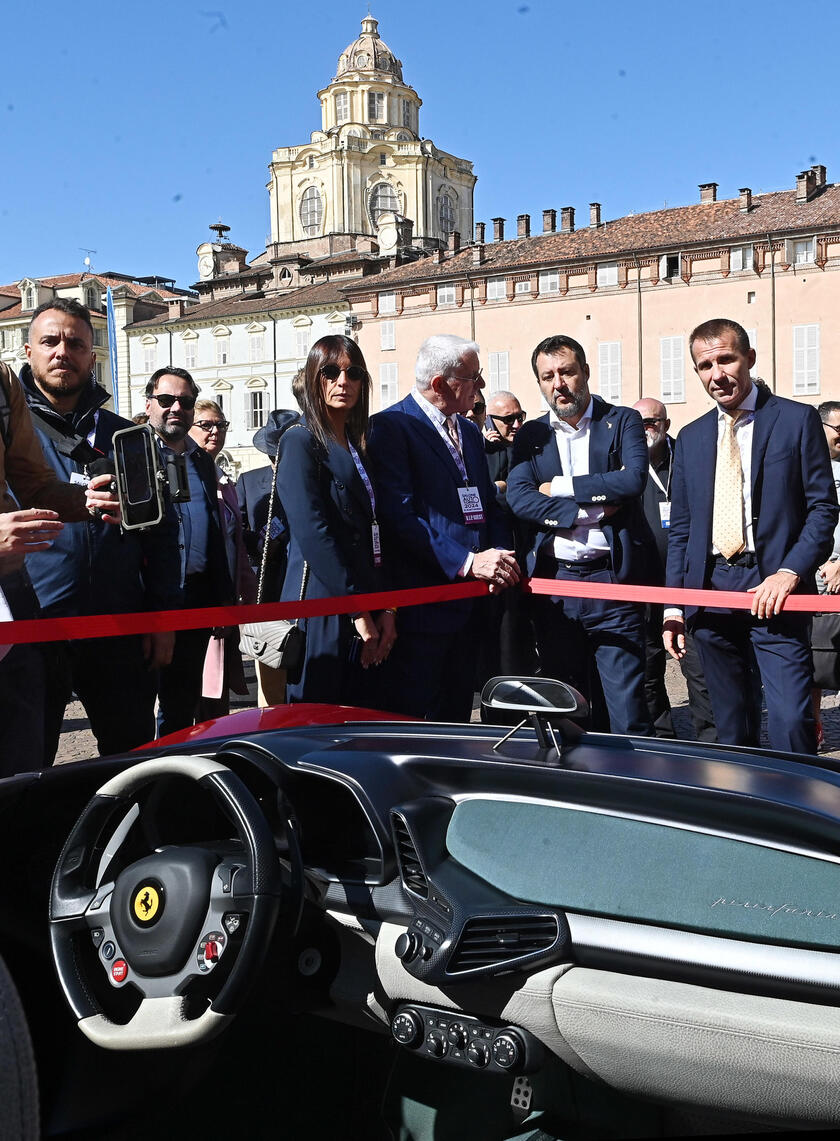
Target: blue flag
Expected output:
[112,346]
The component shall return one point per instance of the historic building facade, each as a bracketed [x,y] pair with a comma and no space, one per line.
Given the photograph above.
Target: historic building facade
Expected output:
[630,290]
[364,193]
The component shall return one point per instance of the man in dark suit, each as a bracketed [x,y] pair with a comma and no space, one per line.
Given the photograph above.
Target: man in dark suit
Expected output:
[576,478]
[440,523]
[753,509]
[170,404]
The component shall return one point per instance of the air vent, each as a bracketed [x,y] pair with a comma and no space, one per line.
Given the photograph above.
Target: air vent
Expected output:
[411,869]
[489,942]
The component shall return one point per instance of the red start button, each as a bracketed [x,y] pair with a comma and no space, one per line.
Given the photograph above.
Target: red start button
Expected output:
[211,951]
[119,970]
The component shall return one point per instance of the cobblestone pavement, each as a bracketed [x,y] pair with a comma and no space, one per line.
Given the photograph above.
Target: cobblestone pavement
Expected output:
[77,741]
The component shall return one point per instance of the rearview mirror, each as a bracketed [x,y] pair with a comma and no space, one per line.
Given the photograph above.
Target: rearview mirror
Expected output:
[526,695]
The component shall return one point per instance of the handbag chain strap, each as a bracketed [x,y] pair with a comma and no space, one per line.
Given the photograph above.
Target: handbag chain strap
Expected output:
[305,575]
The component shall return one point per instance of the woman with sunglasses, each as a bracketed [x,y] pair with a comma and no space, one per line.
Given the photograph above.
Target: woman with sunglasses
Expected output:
[223,664]
[330,505]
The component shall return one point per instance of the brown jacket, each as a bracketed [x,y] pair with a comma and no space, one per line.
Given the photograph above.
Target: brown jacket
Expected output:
[23,468]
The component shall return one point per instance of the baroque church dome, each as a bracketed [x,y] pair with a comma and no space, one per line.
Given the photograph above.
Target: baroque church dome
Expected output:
[369,53]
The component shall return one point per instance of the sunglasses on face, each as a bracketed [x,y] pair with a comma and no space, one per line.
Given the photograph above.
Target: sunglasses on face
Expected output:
[332,372]
[512,418]
[652,421]
[209,426]
[166,400]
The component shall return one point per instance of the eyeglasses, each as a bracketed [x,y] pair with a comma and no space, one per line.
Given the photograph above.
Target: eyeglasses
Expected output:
[469,379]
[511,418]
[166,400]
[652,421]
[355,372]
[209,426]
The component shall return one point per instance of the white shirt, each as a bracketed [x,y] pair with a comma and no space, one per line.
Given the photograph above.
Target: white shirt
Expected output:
[584,540]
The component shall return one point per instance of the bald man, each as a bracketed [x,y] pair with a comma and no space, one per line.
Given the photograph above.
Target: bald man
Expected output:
[656,501]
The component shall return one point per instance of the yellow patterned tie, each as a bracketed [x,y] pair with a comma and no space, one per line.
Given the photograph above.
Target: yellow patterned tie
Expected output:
[728,517]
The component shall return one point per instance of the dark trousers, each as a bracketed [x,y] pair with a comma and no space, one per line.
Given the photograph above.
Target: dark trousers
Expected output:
[727,641]
[179,684]
[21,687]
[111,679]
[431,676]
[656,694]
[575,635]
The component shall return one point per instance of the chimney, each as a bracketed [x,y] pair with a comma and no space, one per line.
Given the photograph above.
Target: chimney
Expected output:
[819,175]
[498,229]
[805,185]
[478,253]
[523,226]
[594,214]
[454,243]
[549,221]
[708,192]
[745,199]
[567,220]
[479,232]
[176,307]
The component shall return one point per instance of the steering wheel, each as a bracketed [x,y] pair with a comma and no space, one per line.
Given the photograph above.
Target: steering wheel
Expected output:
[168,919]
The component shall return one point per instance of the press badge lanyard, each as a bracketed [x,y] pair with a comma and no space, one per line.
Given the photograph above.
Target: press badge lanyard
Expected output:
[664,508]
[468,494]
[374,529]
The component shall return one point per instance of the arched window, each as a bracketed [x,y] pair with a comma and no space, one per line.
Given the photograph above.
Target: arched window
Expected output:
[91,300]
[446,213]
[383,200]
[311,211]
[29,298]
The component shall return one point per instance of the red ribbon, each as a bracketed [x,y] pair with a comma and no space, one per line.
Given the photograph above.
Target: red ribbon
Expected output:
[109,625]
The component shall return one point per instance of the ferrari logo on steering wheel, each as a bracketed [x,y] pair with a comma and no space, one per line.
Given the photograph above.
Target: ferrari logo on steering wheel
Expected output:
[147,903]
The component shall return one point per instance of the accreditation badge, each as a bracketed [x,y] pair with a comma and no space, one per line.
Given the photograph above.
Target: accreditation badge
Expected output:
[377,545]
[471,505]
[665,513]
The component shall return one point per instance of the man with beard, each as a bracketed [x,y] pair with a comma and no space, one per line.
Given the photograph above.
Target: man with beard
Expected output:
[170,404]
[576,477]
[656,503]
[91,567]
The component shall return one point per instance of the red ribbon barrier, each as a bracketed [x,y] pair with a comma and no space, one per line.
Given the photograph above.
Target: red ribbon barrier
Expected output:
[109,625]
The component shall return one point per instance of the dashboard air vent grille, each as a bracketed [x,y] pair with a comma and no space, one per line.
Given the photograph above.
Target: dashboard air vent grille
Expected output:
[411,869]
[490,941]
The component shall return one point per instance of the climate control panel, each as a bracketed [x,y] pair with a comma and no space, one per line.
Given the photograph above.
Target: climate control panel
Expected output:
[463,1040]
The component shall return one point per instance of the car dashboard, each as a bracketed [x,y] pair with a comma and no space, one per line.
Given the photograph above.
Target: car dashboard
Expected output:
[656,918]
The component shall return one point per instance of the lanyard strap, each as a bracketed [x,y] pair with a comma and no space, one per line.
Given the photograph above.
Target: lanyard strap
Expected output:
[666,488]
[365,478]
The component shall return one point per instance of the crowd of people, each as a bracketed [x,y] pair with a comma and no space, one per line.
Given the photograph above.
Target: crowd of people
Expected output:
[441,487]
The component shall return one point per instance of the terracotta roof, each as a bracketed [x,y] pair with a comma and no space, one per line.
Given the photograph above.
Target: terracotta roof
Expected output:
[326,294]
[70,279]
[346,258]
[660,231]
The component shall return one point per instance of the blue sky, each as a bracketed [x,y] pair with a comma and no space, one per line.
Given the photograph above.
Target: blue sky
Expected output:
[128,129]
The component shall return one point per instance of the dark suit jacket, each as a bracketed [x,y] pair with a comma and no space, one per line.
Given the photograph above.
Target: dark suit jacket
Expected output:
[329,516]
[417,484]
[253,489]
[794,504]
[618,465]
[217,564]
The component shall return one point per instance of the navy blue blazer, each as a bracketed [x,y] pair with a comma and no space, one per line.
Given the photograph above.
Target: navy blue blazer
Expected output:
[417,483]
[618,471]
[329,516]
[794,503]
